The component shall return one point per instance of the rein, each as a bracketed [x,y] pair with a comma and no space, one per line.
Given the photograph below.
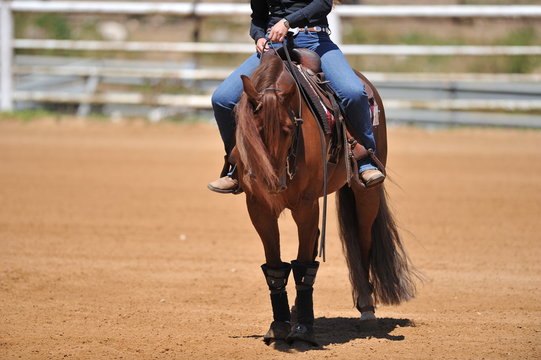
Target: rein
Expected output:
[292,70]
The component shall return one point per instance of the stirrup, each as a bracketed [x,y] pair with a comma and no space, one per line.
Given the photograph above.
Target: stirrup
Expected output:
[372,182]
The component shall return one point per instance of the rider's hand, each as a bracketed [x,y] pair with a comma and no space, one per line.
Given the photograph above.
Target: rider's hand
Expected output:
[278,32]
[260,45]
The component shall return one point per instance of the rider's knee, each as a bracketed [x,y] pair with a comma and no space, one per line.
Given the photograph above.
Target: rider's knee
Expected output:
[222,99]
[217,98]
[353,94]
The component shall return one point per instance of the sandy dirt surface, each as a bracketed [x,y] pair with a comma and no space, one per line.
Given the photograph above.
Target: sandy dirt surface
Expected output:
[112,247]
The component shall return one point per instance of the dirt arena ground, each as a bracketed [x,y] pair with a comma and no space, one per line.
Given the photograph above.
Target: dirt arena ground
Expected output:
[113,248]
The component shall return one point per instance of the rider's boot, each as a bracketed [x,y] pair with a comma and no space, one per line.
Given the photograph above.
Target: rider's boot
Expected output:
[370,169]
[277,281]
[369,174]
[371,177]
[226,184]
[305,275]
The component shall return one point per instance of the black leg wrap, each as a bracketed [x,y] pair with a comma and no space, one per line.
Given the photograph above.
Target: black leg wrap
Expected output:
[277,281]
[305,276]
[280,307]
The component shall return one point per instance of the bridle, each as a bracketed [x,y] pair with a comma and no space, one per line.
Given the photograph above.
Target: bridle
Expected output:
[295,118]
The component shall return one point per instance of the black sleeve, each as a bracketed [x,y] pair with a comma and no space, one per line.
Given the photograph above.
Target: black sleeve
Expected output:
[316,9]
[260,19]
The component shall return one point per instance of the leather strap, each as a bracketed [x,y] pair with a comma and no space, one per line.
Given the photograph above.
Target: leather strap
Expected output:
[296,75]
[297,30]
[316,29]
[312,99]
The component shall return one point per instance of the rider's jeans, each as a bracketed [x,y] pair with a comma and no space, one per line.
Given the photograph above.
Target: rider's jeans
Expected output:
[343,80]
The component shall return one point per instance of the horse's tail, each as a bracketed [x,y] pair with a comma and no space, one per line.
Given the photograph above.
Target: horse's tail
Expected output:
[391,274]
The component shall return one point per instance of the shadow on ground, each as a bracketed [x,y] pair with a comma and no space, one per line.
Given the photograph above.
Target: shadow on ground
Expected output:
[343,330]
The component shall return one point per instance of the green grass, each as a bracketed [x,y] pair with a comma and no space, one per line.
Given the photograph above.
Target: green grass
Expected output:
[52,26]
[55,25]
[27,115]
[525,35]
[165,86]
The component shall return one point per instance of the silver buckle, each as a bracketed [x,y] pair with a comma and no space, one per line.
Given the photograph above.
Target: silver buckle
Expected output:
[317,28]
[294,31]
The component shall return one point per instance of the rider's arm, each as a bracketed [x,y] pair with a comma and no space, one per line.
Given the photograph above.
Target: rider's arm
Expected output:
[316,9]
[260,19]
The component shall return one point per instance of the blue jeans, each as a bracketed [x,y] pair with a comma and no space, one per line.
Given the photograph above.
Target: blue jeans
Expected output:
[346,84]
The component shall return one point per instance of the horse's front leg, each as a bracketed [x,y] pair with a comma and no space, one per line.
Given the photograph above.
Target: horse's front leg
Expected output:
[306,216]
[276,272]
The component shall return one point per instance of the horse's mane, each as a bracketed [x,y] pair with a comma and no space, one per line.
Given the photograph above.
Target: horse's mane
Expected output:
[257,143]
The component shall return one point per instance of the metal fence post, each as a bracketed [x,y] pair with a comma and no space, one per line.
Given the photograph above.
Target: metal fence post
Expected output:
[6,56]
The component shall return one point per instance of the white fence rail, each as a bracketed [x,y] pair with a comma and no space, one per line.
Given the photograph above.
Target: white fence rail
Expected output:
[244,48]
[8,44]
[6,57]
[206,9]
[203,101]
[220,74]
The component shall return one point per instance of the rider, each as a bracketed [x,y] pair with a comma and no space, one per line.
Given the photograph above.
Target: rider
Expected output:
[272,19]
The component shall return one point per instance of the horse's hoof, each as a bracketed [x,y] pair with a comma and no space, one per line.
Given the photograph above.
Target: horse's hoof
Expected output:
[277,331]
[368,315]
[368,319]
[302,332]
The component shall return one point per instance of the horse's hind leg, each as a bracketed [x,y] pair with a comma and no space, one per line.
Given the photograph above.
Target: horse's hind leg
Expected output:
[276,272]
[367,206]
[306,215]
[358,208]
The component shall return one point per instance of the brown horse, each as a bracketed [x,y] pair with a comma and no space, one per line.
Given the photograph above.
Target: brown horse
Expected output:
[378,265]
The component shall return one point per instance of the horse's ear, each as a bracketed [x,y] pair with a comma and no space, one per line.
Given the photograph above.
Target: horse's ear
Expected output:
[249,89]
